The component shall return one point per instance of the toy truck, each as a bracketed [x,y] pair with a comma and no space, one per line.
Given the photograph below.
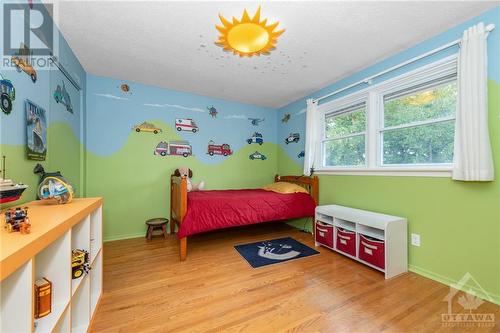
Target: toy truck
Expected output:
[179,148]
[79,263]
[223,149]
[7,94]
[16,220]
[256,138]
[186,124]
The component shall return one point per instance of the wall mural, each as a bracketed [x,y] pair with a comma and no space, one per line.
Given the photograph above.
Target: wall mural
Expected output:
[257,156]
[175,148]
[218,149]
[286,118]
[293,137]
[256,121]
[146,127]
[61,96]
[22,61]
[8,94]
[212,111]
[186,124]
[36,132]
[256,138]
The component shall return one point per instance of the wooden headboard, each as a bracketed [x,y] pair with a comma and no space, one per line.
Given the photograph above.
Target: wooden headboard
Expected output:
[311,184]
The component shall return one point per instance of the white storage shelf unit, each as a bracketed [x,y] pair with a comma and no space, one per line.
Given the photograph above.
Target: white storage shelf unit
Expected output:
[46,253]
[377,240]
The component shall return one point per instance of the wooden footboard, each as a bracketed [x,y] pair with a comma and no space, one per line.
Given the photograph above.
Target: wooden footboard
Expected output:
[178,200]
[178,208]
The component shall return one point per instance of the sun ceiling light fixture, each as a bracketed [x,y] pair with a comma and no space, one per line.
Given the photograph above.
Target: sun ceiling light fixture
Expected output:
[248,36]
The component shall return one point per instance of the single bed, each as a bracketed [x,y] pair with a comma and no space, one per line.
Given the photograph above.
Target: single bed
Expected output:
[202,211]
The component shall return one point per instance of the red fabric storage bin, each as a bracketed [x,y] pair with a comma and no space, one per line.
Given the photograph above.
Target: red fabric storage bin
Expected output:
[324,234]
[372,251]
[346,241]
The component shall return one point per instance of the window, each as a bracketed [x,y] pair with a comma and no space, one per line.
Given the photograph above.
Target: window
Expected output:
[406,123]
[419,124]
[344,136]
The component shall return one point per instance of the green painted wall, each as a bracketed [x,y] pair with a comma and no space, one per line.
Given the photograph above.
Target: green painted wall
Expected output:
[459,222]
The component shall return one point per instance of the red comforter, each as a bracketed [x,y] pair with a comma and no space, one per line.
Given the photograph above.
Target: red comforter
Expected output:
[210,210]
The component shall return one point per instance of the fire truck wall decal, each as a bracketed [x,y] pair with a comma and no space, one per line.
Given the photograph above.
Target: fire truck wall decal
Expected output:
[173,148]
[256,138]
[146,127]
[212,111]
[215,149]
[186,124]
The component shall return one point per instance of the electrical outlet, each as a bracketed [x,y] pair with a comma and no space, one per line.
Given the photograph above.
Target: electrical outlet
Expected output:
[415,239]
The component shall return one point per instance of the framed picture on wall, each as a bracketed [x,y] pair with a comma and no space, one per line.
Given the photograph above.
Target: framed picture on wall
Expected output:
[36,132]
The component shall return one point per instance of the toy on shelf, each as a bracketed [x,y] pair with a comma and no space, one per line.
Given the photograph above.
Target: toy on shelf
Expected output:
[79,263]
[16,220]
[43,298]
[8,190]
[53,186]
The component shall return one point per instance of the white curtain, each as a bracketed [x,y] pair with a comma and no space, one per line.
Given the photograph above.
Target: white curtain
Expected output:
[311,136]
[472,156]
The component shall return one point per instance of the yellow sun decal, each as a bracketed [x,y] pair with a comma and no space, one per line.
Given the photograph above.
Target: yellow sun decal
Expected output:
[248,36]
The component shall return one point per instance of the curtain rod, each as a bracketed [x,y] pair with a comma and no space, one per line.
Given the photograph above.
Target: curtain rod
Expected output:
[367,80]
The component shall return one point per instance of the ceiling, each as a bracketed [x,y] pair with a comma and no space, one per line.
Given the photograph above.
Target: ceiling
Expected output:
[171,44]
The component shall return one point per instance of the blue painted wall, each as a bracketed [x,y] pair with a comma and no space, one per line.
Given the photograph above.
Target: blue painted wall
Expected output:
[297,108]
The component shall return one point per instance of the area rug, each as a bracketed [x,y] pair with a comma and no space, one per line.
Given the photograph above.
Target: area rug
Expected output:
[274,251]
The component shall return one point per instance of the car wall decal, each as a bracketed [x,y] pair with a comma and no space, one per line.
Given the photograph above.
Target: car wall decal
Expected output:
[146,127]
[257,156]
[293,137]
[22,61]
[256,138]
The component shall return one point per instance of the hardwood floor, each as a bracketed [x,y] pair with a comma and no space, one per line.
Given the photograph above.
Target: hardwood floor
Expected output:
[147,289]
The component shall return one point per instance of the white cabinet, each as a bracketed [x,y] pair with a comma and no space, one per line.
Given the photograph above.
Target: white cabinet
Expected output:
[46,253]
[377,240]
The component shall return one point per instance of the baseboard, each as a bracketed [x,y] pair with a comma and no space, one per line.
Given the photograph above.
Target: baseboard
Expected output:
[489,296]
[126,236]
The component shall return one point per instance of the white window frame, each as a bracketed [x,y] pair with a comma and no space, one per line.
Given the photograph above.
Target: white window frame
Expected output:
[374,96]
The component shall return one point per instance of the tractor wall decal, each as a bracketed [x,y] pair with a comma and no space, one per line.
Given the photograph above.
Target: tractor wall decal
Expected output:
[61,96]
[8,94]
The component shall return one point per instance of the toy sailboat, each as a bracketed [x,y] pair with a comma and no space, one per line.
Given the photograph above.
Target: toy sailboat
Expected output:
[8,190]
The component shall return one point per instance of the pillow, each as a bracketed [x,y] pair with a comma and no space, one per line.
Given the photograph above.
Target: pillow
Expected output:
[284,188]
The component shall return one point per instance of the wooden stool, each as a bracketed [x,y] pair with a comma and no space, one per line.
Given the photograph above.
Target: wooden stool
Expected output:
[156,223]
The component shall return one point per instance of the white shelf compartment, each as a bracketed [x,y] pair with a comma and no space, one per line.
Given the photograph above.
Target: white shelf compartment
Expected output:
[392,230]
[54,264]
[344,224]
[15,300]
[80,239]
[64,324]
[95,233]
[95,283]
[371,232]
[80,308]
[324,218]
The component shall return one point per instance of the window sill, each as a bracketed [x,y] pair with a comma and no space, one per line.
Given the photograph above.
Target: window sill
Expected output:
[443,172]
